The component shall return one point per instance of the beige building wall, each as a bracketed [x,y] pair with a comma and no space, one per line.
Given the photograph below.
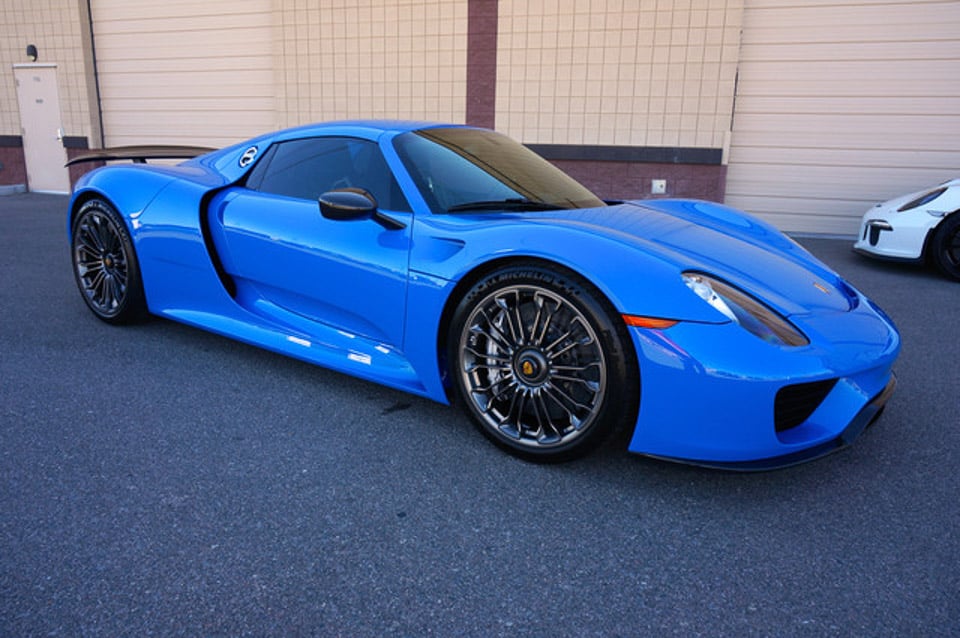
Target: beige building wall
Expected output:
[842,105]
[385,59]
[837,105]
[58,29]
[618,72]
[217,72]
[185,72]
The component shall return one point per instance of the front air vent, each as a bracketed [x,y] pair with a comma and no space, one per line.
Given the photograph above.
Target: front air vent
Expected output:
[795,403]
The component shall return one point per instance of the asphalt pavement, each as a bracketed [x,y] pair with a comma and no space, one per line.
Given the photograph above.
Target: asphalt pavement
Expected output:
[159,480]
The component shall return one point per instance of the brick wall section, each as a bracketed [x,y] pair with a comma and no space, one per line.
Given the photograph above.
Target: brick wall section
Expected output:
[482,63]
[78,170]
[14,168]
[631,180]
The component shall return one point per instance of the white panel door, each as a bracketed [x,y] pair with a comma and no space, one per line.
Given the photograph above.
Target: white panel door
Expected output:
[39,102]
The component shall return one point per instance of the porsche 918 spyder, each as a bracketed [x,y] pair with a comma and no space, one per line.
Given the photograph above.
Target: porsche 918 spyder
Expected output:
[921,226]
[456,264]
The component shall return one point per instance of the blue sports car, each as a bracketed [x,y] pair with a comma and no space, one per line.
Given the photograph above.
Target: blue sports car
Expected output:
[454,263]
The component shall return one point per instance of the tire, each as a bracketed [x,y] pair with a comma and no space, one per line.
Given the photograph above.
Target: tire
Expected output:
[946,246]
[540,362]
[105,264]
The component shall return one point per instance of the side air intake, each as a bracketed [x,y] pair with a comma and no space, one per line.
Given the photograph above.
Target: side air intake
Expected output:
[795,403]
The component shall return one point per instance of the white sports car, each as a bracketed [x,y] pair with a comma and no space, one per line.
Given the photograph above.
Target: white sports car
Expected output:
[920,226]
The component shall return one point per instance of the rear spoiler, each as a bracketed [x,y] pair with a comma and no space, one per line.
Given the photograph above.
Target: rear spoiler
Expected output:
[140,154]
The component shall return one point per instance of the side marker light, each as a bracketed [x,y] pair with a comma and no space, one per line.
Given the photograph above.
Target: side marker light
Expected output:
[649,322]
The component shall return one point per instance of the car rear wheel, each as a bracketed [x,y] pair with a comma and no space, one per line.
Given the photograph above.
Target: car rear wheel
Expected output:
[105,265]
[540,363]
[946,246]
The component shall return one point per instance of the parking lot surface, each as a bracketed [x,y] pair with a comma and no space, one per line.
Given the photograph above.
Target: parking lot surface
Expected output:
[159,480]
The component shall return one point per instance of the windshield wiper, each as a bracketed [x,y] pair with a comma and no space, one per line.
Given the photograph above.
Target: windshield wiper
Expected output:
[506,204]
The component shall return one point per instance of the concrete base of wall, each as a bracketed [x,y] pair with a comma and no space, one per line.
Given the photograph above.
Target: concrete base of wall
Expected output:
[12,189]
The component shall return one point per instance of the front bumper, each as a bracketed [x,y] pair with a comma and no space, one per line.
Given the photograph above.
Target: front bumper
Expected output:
[708,393]
[894,236]
[864,419]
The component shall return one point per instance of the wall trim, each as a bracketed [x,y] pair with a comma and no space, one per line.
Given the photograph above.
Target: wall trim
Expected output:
[11,141]
[12,189]
[641,154]
[72,141]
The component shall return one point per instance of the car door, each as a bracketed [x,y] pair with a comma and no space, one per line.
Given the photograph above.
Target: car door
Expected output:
[282,254]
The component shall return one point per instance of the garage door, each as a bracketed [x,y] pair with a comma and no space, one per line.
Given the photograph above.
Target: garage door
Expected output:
[841,105]
[177,72]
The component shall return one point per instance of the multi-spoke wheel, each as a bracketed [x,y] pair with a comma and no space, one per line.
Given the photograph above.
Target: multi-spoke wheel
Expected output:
[105,264]
[539,363]
[946,246]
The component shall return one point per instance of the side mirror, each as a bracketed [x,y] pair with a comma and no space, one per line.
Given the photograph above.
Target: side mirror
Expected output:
[345,204]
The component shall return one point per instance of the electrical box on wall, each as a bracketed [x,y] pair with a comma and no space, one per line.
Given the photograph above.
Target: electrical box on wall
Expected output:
[658,187]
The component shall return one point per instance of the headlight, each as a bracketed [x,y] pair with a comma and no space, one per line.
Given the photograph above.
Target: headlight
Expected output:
[926,198]
[744,310]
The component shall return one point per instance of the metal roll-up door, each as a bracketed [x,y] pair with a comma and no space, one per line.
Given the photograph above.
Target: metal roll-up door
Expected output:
[841,105]
[175,72]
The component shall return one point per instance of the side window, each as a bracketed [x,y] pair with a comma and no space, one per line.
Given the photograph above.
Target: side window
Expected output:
[307,168]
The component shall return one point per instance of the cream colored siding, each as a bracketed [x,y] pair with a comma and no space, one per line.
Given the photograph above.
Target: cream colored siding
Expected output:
[388,59]
[840,105]
[179,72]
[56,28]
[617,73]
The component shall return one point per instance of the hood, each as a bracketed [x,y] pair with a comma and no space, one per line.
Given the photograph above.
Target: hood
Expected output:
[728,244]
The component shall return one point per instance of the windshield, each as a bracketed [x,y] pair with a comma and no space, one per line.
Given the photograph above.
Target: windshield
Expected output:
[463,169]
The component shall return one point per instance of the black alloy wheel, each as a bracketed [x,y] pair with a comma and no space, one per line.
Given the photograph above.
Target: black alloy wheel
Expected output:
[946,246]
[540,363]
[105,265]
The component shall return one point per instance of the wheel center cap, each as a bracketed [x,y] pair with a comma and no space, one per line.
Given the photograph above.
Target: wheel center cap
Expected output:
[108,261]
[531,367]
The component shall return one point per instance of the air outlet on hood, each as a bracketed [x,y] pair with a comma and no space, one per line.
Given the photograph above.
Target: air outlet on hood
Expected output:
[848,292]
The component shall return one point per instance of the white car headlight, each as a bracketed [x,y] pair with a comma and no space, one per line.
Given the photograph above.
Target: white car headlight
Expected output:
[744,310]
[926,198]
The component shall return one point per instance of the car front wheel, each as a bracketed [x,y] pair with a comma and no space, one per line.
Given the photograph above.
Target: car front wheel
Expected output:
[105,265]
[946,246]
[540,363]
